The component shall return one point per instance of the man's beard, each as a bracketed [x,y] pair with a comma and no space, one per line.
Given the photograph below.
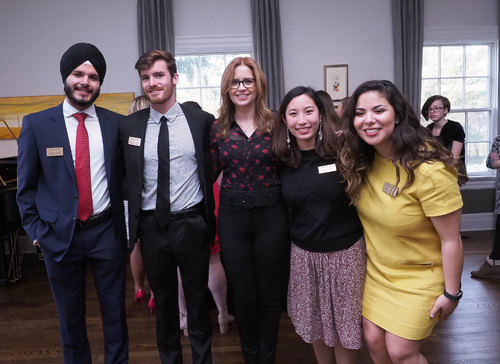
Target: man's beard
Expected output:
[83,103]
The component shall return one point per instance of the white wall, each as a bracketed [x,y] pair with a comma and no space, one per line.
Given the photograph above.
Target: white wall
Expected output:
[315,33]
[35,34]
[327,32]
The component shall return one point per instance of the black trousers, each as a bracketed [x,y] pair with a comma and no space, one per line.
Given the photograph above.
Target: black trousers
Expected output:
[99,247]
[495,251]
[254,246]
[184,243]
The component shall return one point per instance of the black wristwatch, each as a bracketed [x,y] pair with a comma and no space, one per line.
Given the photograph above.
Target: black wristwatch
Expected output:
[452,297]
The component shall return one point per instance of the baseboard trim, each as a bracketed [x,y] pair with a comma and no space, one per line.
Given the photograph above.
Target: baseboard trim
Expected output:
[478,222]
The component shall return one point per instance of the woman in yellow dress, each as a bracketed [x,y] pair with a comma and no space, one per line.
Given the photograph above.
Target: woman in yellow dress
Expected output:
[404,185]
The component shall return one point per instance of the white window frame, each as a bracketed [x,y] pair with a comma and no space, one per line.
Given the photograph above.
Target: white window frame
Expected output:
[472,36]
[199,46]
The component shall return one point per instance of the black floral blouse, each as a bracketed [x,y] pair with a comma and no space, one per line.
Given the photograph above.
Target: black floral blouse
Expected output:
[247,163]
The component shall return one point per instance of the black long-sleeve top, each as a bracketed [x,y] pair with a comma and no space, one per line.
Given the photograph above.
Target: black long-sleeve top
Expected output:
[321,219]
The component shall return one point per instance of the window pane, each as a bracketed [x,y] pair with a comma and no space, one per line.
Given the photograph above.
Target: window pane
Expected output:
[212,68]
[211,100]
[452,61]
[452,89]
[479,126]
[190,94]
[459,117]
[476,92]
[430,62]
[429,88]
[477,60]
[476,157]
[188,70]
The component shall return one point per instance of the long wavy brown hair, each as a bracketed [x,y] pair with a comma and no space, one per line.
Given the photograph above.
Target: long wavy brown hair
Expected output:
[412,144]
[264,116]
[290,156]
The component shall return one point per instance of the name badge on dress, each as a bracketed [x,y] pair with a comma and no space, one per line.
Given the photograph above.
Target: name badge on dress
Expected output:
[136,142]
[390,189]
[54,152]
[327,169]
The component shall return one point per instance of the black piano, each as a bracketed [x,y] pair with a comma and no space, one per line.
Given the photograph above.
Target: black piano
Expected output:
[10,223]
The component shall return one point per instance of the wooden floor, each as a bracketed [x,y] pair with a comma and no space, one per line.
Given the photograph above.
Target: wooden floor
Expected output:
[29,327]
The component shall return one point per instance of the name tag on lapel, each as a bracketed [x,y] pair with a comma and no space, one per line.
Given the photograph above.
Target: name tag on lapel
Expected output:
[136,142]
[54,152]
[327,169]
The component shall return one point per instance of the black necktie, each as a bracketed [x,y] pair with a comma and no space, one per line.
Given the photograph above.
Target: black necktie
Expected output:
[162,216]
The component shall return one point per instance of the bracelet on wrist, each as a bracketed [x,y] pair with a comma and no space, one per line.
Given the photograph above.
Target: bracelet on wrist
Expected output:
[453,297]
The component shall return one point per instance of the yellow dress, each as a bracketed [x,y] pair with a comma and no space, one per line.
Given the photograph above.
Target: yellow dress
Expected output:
[404,273]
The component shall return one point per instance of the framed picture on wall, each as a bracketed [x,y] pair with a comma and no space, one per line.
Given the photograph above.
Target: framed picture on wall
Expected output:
[336,81]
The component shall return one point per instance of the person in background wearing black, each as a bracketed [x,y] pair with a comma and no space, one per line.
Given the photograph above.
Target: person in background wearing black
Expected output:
[450,134]
[253,222]
[328,257]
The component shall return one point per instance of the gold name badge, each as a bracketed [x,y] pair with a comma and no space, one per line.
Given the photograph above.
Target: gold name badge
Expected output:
[390,189]
[54,152]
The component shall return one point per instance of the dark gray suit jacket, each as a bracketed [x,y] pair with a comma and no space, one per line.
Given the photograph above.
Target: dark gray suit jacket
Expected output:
[135,126]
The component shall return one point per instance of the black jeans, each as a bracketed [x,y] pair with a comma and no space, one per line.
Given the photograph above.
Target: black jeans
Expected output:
[254,245]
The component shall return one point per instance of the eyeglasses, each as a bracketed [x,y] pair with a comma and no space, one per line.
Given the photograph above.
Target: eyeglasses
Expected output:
[247,82]
[434,109]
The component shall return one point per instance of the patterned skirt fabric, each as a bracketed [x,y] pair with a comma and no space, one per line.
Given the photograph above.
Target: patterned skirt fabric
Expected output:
[324,295]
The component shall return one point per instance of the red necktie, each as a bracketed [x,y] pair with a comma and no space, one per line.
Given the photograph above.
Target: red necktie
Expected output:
[82,169]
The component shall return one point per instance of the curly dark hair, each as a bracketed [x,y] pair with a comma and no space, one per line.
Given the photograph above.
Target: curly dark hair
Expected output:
[412,144]
[326,148]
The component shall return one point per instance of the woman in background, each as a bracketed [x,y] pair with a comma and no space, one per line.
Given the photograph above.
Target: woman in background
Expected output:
[217,282]
[136,263]
[329,108]
[450,134]
[405,188]
[328,258]
[252,215]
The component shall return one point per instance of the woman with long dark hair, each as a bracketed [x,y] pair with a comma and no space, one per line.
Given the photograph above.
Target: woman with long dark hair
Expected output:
[406,189]
[253,230]
[328,258]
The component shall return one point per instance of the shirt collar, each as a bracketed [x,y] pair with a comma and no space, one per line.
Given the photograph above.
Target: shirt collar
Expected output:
[171,114]
[69,110]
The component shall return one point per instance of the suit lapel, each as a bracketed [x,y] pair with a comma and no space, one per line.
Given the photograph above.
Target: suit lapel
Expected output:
[60,133]
[107,141]
[196,132]
[139,130]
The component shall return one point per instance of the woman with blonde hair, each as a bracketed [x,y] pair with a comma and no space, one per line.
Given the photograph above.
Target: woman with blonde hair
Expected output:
[253,230]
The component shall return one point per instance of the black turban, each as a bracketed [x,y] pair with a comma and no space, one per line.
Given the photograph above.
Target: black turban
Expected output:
[78,54]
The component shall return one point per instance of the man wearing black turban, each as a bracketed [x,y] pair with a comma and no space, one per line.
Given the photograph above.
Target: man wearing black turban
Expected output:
[70,172]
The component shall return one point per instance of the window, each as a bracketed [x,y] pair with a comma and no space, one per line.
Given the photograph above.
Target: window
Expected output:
[200,78]
[464,74]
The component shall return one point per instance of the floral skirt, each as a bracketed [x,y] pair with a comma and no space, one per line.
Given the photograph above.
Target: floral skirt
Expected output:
[325,292]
